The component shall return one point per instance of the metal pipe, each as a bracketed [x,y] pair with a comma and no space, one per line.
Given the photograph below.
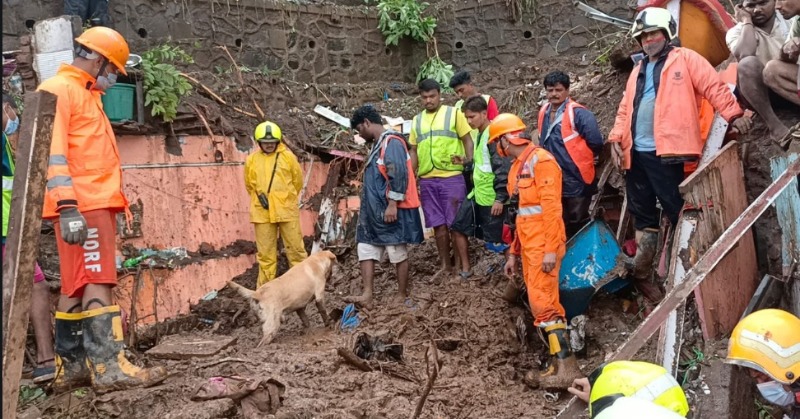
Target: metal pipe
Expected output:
[171,165]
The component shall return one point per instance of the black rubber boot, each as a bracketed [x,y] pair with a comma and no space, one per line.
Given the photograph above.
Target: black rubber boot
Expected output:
[71,370]
[110,369]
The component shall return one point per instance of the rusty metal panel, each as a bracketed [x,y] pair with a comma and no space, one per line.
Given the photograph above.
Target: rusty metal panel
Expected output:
[717,190]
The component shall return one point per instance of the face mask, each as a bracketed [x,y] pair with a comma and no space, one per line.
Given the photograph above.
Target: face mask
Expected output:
[775,393]
[105,82]
[11,125]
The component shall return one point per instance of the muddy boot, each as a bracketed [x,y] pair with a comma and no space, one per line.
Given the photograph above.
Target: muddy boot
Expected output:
[71,370]
[110,370]
[646,244]
[563,367]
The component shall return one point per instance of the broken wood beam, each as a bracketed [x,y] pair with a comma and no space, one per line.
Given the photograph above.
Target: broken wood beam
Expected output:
[696,275]
[353,360]
[22,242]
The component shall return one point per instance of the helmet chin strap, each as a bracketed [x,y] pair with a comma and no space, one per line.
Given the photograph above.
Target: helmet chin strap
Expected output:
[102,68]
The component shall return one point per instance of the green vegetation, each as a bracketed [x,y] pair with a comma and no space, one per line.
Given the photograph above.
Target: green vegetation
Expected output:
[400,18]
[163,85]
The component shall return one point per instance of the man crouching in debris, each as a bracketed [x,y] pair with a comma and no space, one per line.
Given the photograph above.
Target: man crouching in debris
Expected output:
[389,215]
[273,179]
[84,194]
[534,183]
[657,130]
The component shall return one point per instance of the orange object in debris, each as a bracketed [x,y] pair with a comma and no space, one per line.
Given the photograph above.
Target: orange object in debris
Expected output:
[536,178]
[702,25]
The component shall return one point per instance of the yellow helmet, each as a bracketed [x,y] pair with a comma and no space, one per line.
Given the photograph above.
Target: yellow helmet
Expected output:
[641,380]
[268,131]
[767,341]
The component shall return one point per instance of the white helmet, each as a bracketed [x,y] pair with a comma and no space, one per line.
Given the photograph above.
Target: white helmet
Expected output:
[654,18]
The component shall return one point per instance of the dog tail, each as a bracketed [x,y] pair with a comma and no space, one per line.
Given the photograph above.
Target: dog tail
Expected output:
[244,292]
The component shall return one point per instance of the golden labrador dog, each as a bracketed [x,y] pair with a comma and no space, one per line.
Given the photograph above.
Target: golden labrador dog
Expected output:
[292,291]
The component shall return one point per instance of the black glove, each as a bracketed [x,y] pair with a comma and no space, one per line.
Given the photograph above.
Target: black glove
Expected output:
[73,226]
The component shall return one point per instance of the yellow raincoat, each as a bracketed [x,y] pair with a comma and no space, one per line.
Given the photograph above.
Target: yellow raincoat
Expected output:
[284,213]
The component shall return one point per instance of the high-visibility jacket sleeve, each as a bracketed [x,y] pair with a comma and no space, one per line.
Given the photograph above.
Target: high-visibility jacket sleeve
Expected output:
[706,81]
[547,177]
[620,123]
[297,173]
[59,179]
[248,166]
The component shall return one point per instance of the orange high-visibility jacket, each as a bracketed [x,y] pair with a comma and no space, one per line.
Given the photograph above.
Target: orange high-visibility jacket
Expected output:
[84,170]
[411,196]
[574,142]
[686,78]
[536,177]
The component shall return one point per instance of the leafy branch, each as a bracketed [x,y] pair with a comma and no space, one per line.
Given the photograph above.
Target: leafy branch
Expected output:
[163,85]
[400,18]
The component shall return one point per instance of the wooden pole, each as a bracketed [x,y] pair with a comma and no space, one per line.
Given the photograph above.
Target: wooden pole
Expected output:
[695,276]
[22,242]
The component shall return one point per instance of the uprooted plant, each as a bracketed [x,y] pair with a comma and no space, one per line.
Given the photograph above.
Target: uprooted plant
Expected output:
[401,18]
[163,85]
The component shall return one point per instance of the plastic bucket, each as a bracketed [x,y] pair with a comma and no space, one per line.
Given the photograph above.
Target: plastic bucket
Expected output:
[118,102]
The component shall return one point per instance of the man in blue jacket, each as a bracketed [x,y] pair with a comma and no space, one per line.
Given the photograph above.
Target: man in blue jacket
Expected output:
[570,133]
[389,215]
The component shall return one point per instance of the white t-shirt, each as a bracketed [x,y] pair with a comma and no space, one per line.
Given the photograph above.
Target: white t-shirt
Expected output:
[769,44]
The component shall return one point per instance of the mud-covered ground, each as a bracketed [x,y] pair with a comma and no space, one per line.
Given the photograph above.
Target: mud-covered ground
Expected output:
[483,359]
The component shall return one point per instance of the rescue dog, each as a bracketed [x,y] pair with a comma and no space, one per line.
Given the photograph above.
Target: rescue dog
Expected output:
[292,291]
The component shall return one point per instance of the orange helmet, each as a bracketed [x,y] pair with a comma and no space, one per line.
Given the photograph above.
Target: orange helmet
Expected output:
[503,124]
[108,43]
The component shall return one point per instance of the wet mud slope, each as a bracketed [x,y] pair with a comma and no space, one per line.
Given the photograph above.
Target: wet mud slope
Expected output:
[483,356]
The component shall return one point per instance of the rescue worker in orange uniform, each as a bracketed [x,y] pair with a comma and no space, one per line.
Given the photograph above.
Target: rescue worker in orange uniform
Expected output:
[534,183]
[84,194]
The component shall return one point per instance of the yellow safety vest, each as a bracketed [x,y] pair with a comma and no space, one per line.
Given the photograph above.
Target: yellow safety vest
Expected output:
[438,142]
[8,182]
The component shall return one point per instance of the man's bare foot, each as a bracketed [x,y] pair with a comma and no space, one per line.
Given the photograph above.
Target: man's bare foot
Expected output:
[399,299]
[364,301]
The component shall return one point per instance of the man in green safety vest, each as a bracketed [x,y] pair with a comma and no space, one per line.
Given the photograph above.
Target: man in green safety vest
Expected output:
[44,370]
[439,134]
[481,215]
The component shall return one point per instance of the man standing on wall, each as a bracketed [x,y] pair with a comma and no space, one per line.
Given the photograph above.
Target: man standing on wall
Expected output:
[756,40]
[84,194]
[389,215]
[483,212]
[657,130]
[273,179]
[570,133]
[534,183]
[438,135]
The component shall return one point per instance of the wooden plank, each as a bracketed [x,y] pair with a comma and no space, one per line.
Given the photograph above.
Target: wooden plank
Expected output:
[185,347]
[331,115]
[139,102]
[22,242]
[695,276]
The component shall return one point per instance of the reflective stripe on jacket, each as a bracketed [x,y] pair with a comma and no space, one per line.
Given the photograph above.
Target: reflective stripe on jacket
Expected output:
[438,142]
[482,173]
[685,78]
[84,169]
[536,178]
[8,183]
[575,143]
[410,198]
[286,185]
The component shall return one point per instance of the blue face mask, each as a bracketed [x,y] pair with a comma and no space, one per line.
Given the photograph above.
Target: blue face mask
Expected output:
[11,125]
[775,393]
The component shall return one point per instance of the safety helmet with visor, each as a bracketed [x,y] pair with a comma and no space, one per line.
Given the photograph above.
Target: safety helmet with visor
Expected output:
[267,132]
[652,19]
[510,127]
[636,379]
[768,341]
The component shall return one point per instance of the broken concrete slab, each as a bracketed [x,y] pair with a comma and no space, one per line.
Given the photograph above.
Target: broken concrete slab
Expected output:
[185,347]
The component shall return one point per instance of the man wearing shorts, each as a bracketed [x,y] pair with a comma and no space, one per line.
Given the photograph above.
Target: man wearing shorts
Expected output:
[389,214]
[84,194]
[481,215]
[439,135]
[40,294]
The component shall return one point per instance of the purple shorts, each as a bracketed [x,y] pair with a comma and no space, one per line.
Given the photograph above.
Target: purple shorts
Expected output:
[441,198]
[38,275]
